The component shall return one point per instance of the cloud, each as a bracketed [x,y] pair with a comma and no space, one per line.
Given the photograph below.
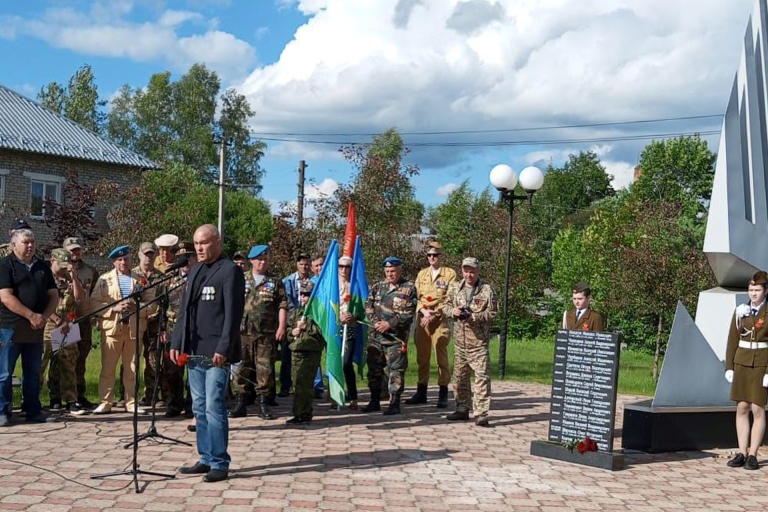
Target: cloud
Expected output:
[443,65]
[106,32]
[445,190]
[325,189]
[623,173]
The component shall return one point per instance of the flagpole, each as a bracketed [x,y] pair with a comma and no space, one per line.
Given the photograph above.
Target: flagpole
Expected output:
[344,345]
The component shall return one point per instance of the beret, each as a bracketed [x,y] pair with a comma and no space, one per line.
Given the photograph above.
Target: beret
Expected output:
[118,252]
[392,261]
[257,250]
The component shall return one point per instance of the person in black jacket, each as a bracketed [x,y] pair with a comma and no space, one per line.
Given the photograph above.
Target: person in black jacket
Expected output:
[207,338]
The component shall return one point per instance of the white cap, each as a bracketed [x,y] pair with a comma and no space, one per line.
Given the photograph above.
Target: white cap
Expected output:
[167,240]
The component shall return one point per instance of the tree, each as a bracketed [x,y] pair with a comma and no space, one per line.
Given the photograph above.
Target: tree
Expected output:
[79,101]
[244,153]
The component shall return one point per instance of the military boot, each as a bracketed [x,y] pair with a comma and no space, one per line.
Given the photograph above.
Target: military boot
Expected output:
[264,411]
[442,398]
[239,410]
[458,415]
[375,403]
[420,396]
[394,406]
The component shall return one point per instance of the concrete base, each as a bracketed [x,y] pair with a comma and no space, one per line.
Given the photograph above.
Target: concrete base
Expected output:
[611,461]
[673,429]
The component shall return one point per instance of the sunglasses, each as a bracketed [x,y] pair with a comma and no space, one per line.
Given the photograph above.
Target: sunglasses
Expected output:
[433,255]
[345,266]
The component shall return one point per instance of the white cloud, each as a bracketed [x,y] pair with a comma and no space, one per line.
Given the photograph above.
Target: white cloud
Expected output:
[445,190]
[429,65]
[104,31]
[623,173]
[325,189]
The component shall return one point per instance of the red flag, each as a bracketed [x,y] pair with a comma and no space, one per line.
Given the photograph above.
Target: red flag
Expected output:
[351,232]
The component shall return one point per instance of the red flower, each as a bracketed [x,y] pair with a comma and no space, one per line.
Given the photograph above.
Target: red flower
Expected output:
[403,348]
[585,326]
[182,360]
[143,281]
[759,323]
[591,444]
[347,297]
[429,298]
[71,316]
[581,447]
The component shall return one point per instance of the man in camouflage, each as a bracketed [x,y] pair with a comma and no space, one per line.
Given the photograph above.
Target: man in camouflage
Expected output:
[264,324]
[307,346]
[472,304]
[87,275]
[62,383]
[391,307]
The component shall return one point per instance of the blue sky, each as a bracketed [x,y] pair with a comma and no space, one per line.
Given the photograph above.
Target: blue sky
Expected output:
[352,67]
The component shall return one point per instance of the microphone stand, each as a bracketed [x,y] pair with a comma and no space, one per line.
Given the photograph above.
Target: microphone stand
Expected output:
[134,471]
[152,430]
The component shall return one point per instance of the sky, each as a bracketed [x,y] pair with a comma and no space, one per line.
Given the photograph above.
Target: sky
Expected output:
[470,83]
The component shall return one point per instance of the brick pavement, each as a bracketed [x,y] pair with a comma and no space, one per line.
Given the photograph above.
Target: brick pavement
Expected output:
[346,460]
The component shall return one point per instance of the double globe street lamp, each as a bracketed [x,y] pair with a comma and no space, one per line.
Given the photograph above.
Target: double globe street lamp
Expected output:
[504,179]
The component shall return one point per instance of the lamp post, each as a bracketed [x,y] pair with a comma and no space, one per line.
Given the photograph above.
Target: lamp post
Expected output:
[504,179]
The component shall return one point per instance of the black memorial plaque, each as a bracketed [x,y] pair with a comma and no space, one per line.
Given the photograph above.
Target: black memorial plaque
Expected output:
[586,371]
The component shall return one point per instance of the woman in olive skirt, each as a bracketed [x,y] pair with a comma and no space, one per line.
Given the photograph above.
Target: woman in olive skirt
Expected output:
[746,363]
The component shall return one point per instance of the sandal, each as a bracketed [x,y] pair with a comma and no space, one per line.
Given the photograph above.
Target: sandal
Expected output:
[353,405]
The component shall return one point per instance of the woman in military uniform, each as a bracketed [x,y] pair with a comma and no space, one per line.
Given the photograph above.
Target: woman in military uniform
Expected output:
[746,363]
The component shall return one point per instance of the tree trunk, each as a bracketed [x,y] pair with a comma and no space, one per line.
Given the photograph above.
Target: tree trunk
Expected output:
[657,354]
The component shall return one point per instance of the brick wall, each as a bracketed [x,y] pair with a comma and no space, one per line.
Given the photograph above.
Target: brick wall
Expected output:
[13,165]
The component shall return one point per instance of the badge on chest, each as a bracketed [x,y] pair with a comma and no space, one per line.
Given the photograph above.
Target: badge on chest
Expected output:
[209,293]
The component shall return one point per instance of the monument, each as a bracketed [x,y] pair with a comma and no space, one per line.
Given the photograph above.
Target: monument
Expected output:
[691,409]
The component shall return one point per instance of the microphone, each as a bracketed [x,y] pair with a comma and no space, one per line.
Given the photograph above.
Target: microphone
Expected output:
[181,262]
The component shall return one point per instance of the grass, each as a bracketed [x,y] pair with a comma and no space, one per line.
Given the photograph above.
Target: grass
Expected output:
[527,361]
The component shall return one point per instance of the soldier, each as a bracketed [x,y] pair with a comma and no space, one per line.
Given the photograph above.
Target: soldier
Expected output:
[264,324]
[172,383]
[87,275]
[307,346]
[118,328]
[391,307]
[146,269]
[432,326]
[292,283]
[582,317]
[166,245]
[473,306]
[62,382]
[240,260]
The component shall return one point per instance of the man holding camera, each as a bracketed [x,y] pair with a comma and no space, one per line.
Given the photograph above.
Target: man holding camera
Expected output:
[473,305]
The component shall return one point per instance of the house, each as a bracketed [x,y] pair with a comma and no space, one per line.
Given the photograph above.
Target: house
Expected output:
[38,148]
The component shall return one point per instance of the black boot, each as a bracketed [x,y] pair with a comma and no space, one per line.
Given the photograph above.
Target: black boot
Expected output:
[239,411]
[420,396]
[375,403]
[394,406]
[442,398]
[264,412]
[458,415]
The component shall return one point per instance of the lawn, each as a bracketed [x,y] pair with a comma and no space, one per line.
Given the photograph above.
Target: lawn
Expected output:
[527,361]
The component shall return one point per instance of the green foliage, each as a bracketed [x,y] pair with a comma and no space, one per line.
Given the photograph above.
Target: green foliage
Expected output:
[79,101]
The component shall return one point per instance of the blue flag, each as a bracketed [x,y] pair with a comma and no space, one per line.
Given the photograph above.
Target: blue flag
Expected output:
[358,290]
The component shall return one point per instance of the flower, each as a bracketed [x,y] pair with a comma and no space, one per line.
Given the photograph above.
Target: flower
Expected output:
[183,359]
[347,297]
[585,326]
[759,323]
[582,445]
[743,310]
[71,316]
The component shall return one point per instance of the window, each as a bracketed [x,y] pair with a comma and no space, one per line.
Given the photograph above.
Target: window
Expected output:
[42,186]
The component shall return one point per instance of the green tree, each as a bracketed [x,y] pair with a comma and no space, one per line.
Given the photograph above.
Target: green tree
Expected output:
[244,153]
[79,101]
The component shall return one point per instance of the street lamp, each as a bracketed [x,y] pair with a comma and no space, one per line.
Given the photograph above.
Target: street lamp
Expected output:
[504,178]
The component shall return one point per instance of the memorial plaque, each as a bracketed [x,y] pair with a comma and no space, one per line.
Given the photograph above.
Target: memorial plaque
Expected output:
[586,370]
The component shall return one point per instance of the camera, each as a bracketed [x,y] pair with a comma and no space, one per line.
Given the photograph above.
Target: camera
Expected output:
[464,313]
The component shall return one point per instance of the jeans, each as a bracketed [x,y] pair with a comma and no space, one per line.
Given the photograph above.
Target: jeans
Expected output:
[208,385]
[31,363]
[318,382]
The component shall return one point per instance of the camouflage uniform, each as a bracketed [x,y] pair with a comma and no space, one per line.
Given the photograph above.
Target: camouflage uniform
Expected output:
[172,383]
[431,294]
[306,349]
[470,339]
[397,306]
[62,383]
[260,321]
[149,342]
[88,277]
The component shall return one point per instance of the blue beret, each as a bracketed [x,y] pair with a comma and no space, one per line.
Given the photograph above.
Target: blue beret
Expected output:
[257,250]
[118,252]
[392,261]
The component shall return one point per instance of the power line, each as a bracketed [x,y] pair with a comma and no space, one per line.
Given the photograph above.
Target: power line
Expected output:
[501,130]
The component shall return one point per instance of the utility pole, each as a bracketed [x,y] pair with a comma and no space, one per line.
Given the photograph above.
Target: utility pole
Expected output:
[300,214]
[221,188]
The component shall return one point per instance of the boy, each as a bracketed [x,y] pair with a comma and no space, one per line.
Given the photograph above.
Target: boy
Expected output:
[582,317]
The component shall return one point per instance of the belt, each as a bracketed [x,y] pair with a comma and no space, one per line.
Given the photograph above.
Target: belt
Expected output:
[753,345]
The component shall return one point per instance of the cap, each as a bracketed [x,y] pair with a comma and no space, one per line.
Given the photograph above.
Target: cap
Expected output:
[119,252]
[470,262]
[392,261]
[62,256]
[146,247]
[166,240]
[19,224]
[434,247]
[345,260]
[306,287]
[257,250]
[239,255]
[72,242]
[185,248]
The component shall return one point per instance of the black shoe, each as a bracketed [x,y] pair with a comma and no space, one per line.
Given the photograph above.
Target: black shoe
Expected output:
[373,406]
[55,405]
[394,407]
[283,393]
[198,469]
[419,397]
[264,411]
[191,428]
[458,416]
[239,410]
[250,399]
[172,412]
[738,461]
[38,418]
[481,421]
[216,475]
[442,398]
[82,400]
[299,420]
[76,409]
[751,463]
